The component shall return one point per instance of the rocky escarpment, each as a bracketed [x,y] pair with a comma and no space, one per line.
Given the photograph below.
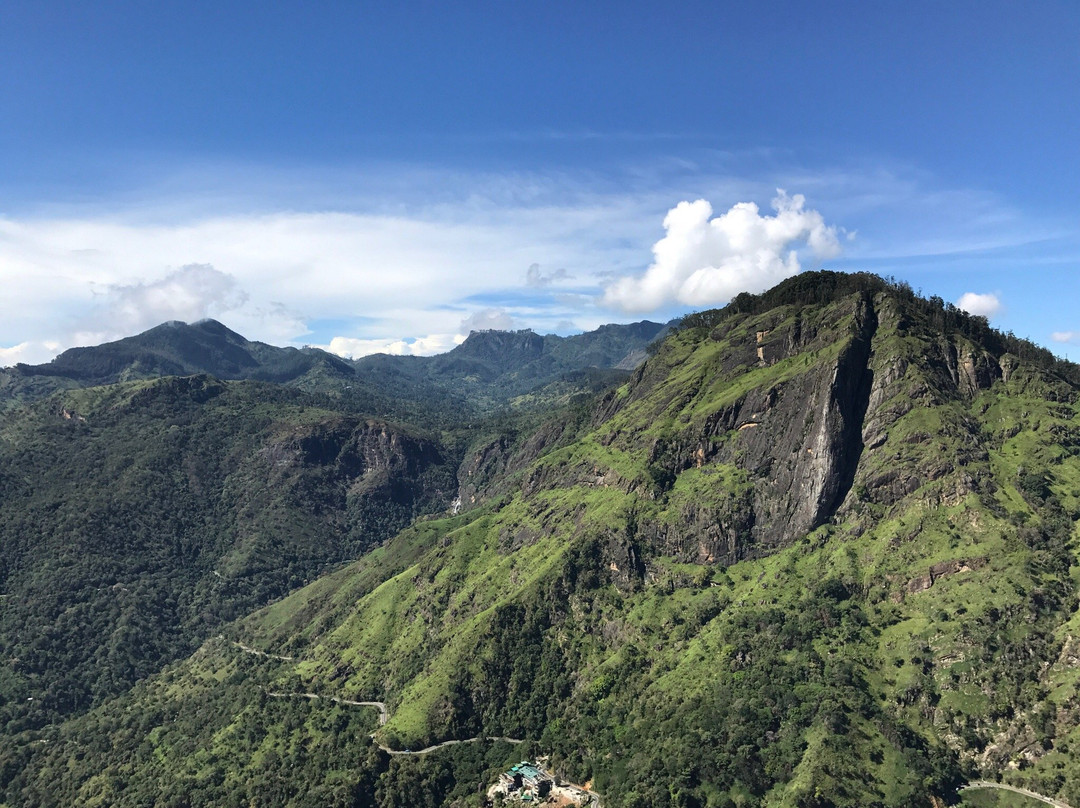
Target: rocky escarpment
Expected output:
[355,448]
[802,440]
[809,402]
[796,437]
[493,465]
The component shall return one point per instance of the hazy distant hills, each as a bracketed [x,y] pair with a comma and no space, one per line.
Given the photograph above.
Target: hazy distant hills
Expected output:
[488,370]
[819,549]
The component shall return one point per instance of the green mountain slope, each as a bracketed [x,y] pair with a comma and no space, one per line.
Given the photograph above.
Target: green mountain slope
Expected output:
[136,519]
[818,551]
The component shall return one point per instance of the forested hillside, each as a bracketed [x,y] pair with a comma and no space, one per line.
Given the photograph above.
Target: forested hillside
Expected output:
[137,519]
[818,550]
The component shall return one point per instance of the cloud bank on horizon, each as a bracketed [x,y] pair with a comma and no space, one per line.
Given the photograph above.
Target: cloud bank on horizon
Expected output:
[418,279]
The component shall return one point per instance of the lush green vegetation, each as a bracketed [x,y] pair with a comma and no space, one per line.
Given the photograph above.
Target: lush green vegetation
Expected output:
[137,520]
[819,551]
[991,798]
[211,736]
[822,288]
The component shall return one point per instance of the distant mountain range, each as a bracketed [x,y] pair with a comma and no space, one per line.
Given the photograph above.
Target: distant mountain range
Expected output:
[488,370]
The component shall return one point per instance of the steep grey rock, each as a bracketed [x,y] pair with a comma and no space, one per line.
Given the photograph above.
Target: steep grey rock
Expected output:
[800,441]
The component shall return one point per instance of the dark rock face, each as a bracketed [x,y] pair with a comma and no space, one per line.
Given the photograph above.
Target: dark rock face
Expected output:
[800,441]
[806,456]
[492,467]
[362,456]
[706,534]
[815,441]
[623,559]
[942,569]
[483,466]
[366,477]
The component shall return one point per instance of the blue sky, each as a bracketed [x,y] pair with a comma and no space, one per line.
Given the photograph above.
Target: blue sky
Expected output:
[387,176]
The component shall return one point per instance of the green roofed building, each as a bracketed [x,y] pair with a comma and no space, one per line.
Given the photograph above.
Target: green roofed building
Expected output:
[528,777]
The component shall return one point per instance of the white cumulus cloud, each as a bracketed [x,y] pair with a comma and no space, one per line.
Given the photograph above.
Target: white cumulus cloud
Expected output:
[981,305]
[1065,336]
[704,260]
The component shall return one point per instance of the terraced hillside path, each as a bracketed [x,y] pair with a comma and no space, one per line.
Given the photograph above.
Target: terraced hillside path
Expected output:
[1015,790]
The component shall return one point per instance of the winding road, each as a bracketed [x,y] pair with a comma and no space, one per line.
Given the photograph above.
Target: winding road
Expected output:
[445,744]
[384,716]
[256,652]
[594,798]
[1015,790]
[380,706]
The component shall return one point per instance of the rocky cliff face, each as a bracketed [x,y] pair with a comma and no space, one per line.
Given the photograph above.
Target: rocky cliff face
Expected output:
[800,439]
[355,448]
[494,465]
[801,401]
